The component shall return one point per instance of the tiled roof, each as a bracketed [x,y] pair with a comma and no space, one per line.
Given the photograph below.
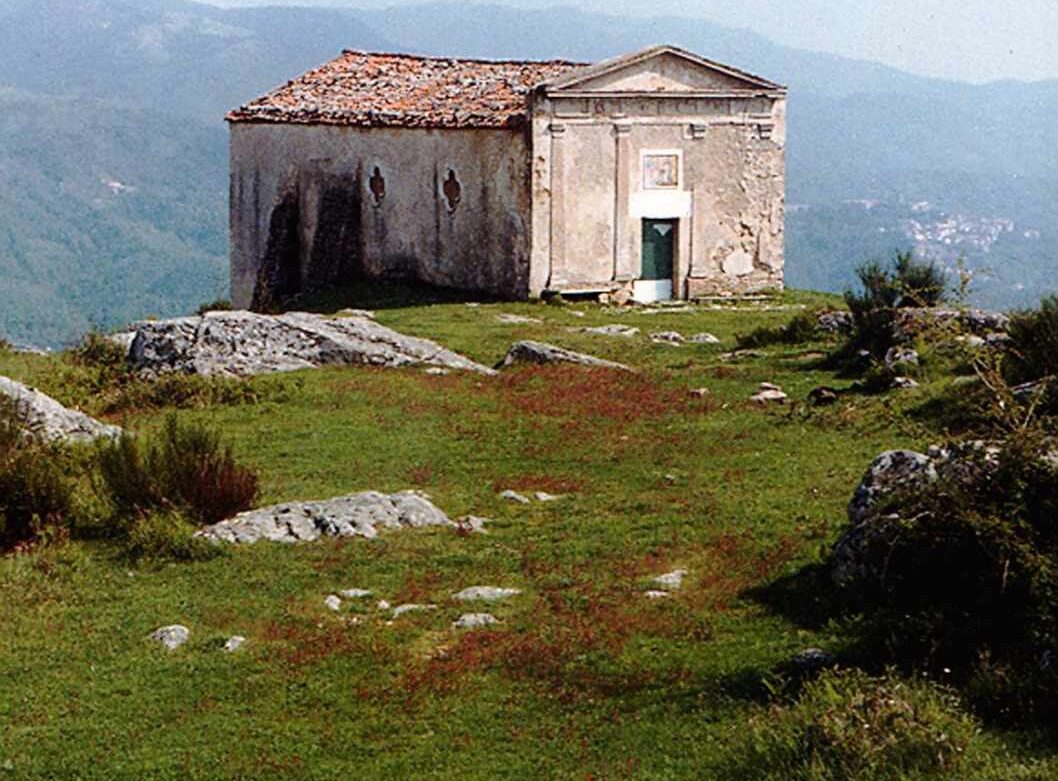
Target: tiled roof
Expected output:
[397,90]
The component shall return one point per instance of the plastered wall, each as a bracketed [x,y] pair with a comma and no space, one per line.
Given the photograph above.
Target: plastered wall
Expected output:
[590,197]
[316,206]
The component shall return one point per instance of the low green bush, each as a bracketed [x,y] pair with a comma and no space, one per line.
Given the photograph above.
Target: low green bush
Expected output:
[1032,351]
[167,535]
[905,284]
[850,726]
[35,489]
[220,305]
[803,327]
[185,467]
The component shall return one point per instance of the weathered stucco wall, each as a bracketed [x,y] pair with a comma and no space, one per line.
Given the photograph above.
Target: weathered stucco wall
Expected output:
[316,206]
[590,198]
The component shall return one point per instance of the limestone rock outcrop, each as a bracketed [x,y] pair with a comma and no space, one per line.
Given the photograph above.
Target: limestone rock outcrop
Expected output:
[358,515]
[245,343]
[51,421]
[874,511]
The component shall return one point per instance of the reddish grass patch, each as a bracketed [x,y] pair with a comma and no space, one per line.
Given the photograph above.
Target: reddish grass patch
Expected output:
[301,645]
[577,393]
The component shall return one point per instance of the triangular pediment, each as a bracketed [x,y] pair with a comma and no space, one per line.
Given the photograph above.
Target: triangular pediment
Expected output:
[663,70]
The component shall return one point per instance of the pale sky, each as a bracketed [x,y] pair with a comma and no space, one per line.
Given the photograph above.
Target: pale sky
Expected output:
[968,40]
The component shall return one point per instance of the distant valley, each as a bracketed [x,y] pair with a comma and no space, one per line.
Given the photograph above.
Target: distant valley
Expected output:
[113,157]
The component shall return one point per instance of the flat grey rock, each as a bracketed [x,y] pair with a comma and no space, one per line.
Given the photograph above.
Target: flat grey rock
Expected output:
[511,319]
[671,580]
[674,338]
[704,338]
[354,593]
[769,393]
[614,329]
[657,594]
[472,524]
[234,644]
[486,594]
[514,496]
[544,496]
[242,344]
[172,637]
[401,610]
[358,515]
[49,420]
[475,621]
[543,353]
[333,602]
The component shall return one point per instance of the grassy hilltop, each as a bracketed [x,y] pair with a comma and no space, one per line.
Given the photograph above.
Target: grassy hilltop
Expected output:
[583,678]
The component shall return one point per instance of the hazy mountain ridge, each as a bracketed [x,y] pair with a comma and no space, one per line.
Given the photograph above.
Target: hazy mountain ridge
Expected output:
[144,87]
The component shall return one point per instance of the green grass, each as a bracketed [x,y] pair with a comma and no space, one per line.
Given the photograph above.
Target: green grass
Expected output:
[584,678]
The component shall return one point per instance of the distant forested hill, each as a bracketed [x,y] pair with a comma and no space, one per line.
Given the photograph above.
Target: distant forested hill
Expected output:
[113,157]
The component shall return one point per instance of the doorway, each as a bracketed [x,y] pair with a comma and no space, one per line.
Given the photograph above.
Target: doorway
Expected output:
[658,261]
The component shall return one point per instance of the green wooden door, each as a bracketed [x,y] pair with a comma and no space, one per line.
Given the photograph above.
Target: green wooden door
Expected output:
[659,248]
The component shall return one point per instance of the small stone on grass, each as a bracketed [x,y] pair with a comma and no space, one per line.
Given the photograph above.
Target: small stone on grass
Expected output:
[486,593]
[475,621]
[172,637]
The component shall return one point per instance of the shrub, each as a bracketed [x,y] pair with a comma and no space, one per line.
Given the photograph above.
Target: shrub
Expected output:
[883,291]
[220,305]
[966,571]
[99,350]
[35,491]
[849,726]
[802,328]
[167,535]
[184,467]
[1032,352]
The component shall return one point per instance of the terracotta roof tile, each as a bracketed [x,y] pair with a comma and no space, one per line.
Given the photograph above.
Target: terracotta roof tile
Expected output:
[397,90]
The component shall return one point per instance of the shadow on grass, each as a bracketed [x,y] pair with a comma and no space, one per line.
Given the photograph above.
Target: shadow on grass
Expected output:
[370,294]
[807,597]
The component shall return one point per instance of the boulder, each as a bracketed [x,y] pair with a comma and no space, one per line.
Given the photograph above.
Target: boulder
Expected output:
[333,602]
[874,511]
[234,643]
[244,343]
[49,420]
[358,515]
[903,383]
[543,353]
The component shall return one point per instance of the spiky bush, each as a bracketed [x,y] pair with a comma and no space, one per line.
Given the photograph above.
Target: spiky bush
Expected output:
[850,726]
[184,467]
[803,327]
[1032,351]
[905,284]
[35,490]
